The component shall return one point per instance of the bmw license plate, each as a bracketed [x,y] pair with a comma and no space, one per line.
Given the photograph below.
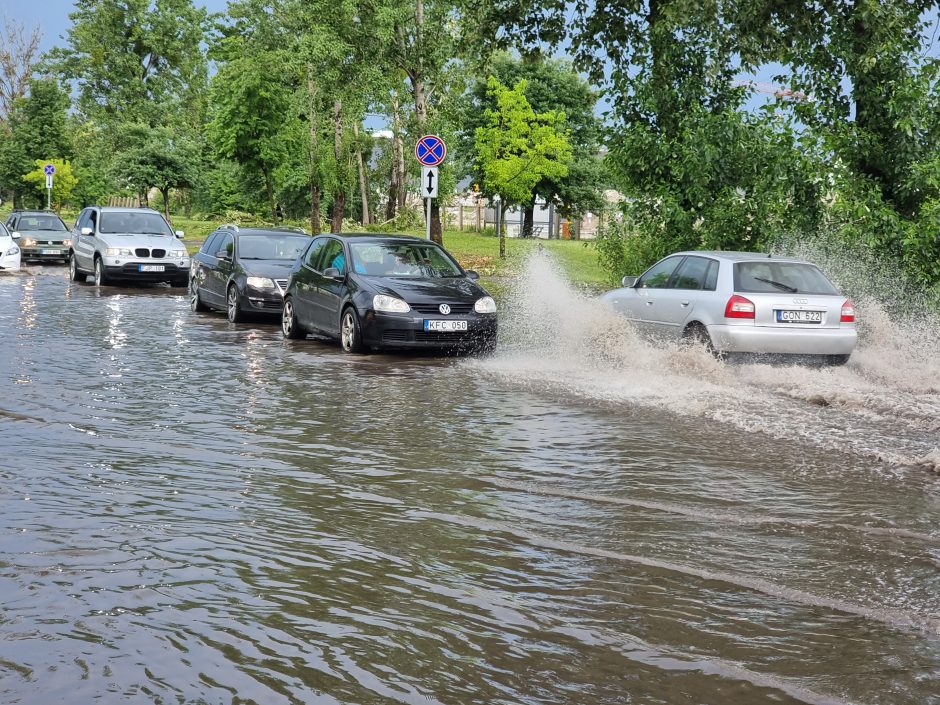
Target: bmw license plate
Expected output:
[444,326]
[151,268]
[799,316]
[50,252]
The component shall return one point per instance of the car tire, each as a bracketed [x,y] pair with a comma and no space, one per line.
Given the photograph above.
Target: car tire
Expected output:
[232,309]
[195,300]
[697,335]
[290,326]
[75,274]
[101,277]
[350,333]
[837,360]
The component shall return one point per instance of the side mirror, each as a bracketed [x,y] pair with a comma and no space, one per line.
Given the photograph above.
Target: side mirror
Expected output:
[223,254]
[87,232]
[15,235]
[332,273]
[629,281]
[180,234]
[472,275]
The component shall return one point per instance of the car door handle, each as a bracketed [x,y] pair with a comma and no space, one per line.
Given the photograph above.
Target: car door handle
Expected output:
[649,302]
[684,303]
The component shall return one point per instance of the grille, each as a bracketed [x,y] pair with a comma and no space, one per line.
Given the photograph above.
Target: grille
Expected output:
[396,336]
[422,336]
[142,252]
[455,309]
[158,253]
[281,284]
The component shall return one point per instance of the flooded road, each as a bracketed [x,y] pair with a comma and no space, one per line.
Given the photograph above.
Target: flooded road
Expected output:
[198,512]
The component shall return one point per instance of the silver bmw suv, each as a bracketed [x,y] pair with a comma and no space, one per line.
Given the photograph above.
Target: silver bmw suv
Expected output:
[125,245]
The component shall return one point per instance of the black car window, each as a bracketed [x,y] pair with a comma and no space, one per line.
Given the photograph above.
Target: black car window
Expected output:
[711,277]
[771,277]
[83,220]
[402,259]
[657,276]
[226,244]
[93,220]
[211,241]
[41,222]
[313,252]
[332,256]
[271,247]
[11,222]
[691,274]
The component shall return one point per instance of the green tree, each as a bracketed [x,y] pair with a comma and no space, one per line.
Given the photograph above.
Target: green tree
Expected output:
[38,128]
[518,148]
[63,184]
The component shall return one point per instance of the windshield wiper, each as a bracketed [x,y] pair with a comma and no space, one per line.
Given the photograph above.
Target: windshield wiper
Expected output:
[779,285]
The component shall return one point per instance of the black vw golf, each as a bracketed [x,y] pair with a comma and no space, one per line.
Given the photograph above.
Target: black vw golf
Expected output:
[386,291]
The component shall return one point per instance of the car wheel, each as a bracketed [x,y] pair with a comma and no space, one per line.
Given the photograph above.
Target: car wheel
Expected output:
[101,278]
[350,335]
[74,274]
[195,300]
[235,314]
[290,326]
[697,335]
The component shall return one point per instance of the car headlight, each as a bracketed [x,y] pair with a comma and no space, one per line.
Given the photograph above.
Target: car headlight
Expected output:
[12,251]
[174,254]
[389,304]
[67,243]
[485,305]
[119,252]
[28,242]
[260,282]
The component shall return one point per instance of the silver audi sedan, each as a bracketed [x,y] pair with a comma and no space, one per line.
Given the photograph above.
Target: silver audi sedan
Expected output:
[741,302]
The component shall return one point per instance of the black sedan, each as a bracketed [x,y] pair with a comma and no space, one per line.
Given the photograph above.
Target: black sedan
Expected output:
[243,270]
[384,291]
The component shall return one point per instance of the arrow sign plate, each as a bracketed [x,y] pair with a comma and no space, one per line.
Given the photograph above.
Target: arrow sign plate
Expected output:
[48,180]
[429,182]
[430,150]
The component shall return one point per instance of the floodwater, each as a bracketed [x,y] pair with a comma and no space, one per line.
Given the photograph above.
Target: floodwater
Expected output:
[197,512]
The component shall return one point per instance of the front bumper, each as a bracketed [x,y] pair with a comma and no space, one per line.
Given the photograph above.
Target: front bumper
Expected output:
[406,330]
[117,269]
[788,341]
[54,253]
[10,263]
[269,301]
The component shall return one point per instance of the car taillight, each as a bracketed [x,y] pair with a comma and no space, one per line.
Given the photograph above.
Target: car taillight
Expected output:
[739,307]
[848,312]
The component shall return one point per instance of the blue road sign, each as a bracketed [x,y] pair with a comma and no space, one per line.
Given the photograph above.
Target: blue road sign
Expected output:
[430,150]
[49,169]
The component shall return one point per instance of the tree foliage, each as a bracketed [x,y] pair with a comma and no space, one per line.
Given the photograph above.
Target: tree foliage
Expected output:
[63,185]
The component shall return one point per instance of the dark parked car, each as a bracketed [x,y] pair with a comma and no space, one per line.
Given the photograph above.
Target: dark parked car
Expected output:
[244,270]
[41,235]
[383,291]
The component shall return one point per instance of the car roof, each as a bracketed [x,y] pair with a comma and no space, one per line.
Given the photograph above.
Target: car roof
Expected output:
[731,256]
[380,237]
[35,212]
[268,231]
[123,209]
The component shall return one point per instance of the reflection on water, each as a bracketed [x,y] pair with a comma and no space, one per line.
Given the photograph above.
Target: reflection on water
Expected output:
[192,511]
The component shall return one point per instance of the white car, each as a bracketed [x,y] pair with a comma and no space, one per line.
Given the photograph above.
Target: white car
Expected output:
[9,251]
[127,245]
[741,302]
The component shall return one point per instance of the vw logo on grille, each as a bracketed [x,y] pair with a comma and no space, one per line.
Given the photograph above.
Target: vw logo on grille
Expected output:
[801,301]
[444,308]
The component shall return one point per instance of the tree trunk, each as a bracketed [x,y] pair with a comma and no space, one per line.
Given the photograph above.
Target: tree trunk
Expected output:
[396,185]
[269,188]
[363,179]
[501,225]
[166,202]
[313,142]
[528,218]
[339,197]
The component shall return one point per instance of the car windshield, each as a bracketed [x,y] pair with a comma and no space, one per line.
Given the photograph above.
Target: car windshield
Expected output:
[278,247]
[41,222]
[769,277]
[402,259]
[130,223]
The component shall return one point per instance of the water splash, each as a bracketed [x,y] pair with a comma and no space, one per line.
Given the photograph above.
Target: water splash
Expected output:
[884,405]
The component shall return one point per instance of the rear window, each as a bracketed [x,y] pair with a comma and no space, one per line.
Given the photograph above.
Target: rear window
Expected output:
[770,277]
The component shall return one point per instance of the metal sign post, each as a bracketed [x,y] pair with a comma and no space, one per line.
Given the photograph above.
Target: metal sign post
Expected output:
[430,151]
[49,170]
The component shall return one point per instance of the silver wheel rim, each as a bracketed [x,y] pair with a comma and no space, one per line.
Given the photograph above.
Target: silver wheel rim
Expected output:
[73,270]
[348,331]
[287,318]
[232,304]
[193,295]
[98,272]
